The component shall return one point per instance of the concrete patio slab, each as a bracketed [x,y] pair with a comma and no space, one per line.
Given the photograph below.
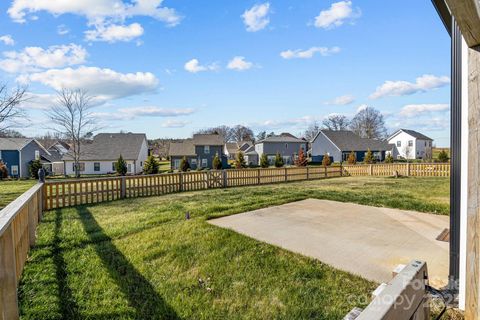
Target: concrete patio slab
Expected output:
[363,240]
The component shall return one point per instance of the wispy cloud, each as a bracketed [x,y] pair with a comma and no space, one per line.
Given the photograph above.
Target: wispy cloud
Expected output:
[336,15]
[342,100]
[256,18]
[309,53]
[239,63]
[113,32]
[7,40]
[146,111]
[175,124]
[194,66]
[415,110]
[402,88]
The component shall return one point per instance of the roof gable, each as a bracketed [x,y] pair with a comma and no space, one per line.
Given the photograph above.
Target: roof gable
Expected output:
[346,140]
[413,133]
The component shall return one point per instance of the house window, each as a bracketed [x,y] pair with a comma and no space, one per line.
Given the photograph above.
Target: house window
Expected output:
[37,155]
[141,163]
[14,170]
[287,159]
[399,143]
[302,146]
[286,145]
[377,155]
[114,166]
[206,149]
[176,163]
[193,162]
[410,143]
[81,166]
[96,166]
[426,144]
[129,167]
[204,163]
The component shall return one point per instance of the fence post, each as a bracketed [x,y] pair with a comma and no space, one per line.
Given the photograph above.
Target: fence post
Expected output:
[123,187]
[258,176]
[370,170]
[286,175]
[408,169]
[341,169]
[8,277]
[224,178]
[308,173]
[32,219]
[180,182]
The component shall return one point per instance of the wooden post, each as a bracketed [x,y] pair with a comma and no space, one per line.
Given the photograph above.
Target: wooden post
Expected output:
[325,171]
[408,169]
[370,170]
[180,181]
[308,173]
[472,281]
[258,176]
[286,175]
[123,187]
[224,178]
[8,277]
[32,219]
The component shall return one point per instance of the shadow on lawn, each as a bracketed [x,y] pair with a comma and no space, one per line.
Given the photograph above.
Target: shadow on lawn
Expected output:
[141,295]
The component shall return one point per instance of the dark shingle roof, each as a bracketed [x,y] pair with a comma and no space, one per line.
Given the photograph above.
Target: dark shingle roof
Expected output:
[348,141]
[284,137]
[54,156]
[208,140]
[184,148]
[251,151]
[413,133]
[109,146]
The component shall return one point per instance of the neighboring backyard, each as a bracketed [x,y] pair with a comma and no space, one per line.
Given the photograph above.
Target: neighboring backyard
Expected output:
[10,190]
[141,259]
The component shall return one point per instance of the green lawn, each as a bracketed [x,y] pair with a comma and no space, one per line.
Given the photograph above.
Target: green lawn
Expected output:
[140,259]
[10,190]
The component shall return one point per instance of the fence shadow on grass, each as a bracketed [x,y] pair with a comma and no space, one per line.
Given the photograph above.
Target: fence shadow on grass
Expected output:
[141,295]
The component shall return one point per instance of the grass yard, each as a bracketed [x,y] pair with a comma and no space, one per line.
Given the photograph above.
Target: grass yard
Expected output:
[140,259]
[10,190]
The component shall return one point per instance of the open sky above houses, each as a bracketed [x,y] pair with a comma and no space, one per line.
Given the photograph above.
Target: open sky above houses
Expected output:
[168,68]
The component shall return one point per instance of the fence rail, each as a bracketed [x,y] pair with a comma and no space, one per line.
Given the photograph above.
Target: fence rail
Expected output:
[403,169]
[60,194]
[18,222]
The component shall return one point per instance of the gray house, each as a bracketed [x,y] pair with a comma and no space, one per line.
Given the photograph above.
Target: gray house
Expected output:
[339,144]
[199,151]
[232,148]
[18,153]
[286,144]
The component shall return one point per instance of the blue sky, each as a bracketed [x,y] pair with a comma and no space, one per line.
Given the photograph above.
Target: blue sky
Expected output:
[170,67]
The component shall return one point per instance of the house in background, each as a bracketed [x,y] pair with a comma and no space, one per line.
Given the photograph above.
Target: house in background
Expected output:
[286,144]
[232,148]
[99,155]
[18,153]
[339,144]
[54,160]
[410,144]
[199,151]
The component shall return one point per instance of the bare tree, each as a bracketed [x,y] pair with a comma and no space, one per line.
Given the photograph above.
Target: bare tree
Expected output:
[9,133]
[311,131]
[160,147]
[407,151]
[336,122]
[224,131]
[369,123]
[241,133]
[10,105]
[261,135]
[73,119]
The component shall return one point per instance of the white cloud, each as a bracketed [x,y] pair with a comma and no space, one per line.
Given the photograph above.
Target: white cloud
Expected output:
[414,110]
[147,111]
[175,124]
[239,63]
[336,15]
[36,58]
[7,40]
[113,32]
[401,88]
[309,53]
[96,11]
[342,100]
[101,83]
[256,18]
[194,66]
[38,101]
[362,107]
[62,30]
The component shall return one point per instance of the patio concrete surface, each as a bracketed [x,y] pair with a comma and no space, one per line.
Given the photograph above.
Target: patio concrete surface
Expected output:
[363,240]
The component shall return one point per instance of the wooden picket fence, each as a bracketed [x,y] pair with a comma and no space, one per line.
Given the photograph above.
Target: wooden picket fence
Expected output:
[403,169]
[66,193]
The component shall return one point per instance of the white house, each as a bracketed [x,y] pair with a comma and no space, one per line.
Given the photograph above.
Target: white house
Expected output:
[100,155]
[410,144]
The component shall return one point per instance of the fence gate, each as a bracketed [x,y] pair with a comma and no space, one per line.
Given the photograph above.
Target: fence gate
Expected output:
[215,179]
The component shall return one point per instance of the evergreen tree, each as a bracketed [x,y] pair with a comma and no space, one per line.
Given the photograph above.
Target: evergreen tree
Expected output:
[217,163]
[443,156]
[278,160]
[389,158]
[240,162]
[369,157]
[121,166]
[352,158]
[264,161]
[151,165]
[301,161]
[326,160]
[184,165]
[33,167]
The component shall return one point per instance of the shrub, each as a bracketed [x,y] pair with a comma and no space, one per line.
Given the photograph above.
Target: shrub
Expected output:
[326,160]
[33,167]
[389,158]
[3,170]
[443,156]
[121,166]
[217,163]
[368,157]
[240,162]
[301,161]
[352,158]
[278,160]
[184,165]
[264,161]
[151,165]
